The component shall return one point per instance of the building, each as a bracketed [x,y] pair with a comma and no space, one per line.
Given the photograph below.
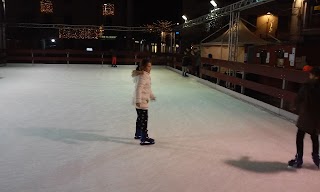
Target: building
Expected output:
[69,12]
[294,23]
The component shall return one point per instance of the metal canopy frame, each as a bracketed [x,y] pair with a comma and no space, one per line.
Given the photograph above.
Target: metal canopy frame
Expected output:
[233,10]
[224,11]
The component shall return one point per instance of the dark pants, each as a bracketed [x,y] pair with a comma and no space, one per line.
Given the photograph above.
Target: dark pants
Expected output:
[299,143]
[142,124]
[198,71]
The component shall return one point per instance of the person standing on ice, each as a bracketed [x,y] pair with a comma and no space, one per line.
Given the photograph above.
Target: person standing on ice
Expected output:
[113,59]
[142,96]
[186,62]
[307,106]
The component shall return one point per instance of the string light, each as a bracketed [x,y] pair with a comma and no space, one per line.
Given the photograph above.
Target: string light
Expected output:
[46,6]
[160,26]
[164,26]
[80,33]
[151,28]
[108,9]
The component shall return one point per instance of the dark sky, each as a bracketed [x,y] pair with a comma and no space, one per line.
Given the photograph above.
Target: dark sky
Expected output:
[147,12]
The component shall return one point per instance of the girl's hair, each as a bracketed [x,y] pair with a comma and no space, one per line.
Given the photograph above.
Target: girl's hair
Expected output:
[144,63]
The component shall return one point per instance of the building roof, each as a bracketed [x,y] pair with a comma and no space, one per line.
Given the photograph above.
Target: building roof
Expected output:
[245,37]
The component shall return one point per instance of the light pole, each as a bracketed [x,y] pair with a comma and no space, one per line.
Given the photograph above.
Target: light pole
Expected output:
[267,27]
[4,6]
[185,18]
[215,5]
[3,32]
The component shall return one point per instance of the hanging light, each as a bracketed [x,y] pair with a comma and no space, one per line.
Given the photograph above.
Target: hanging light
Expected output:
[213,3]
[80,33]
[159,26]
[184,18]
[108,9]
[46,6]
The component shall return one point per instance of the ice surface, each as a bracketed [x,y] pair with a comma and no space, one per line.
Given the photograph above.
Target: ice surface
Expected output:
[70,128]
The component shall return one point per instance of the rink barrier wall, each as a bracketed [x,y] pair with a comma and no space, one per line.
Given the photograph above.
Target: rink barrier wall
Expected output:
[79,56]
[273,85]
[275,110]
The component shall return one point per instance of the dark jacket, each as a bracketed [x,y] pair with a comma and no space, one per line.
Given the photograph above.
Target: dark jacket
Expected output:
[197,58]
[186,60]
[308,107]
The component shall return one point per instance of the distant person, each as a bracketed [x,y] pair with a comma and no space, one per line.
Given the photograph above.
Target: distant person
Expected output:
[308,105]
[197,55]
[114,58]
[186,62]
[142,96]
[307,68]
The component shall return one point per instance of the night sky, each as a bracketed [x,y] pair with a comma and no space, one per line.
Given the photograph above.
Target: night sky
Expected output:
[147,12]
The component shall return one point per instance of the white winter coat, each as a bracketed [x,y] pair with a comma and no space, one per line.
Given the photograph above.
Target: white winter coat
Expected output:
[143,92]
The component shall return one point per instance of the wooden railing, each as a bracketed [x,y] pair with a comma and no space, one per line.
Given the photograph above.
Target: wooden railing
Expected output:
[287,81]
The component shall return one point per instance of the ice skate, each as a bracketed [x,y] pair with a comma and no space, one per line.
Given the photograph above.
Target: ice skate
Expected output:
[296,162]
[147,141]
[315,158]
[137,137]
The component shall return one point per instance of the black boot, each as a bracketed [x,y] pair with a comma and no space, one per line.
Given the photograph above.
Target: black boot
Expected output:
[296,162]
[315,158]
[145,139]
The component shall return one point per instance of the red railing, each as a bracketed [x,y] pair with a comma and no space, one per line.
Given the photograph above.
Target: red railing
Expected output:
[75,56]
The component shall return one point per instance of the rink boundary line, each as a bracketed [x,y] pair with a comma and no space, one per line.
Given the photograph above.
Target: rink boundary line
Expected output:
[275,110]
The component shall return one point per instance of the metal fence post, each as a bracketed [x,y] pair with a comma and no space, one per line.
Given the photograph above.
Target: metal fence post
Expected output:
[135,57]
[243,77]
[102,56]
[200,69]
[68,62]
[283,88]
[218,71]
[32,56]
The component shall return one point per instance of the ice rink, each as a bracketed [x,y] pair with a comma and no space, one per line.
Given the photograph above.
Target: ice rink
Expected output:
[70,128]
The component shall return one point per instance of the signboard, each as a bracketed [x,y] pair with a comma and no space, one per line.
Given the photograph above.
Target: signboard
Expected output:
[111,37]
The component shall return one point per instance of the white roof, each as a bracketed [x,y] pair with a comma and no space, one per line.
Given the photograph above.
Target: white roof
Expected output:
[245,37]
